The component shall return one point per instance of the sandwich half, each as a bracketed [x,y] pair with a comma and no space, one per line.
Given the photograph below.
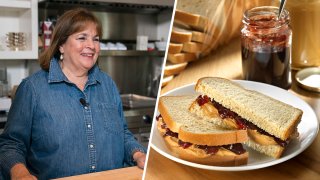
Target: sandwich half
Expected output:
[270,123]
[192,139]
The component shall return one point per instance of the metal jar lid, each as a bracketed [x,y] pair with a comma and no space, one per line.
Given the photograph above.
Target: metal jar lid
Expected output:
[309,78]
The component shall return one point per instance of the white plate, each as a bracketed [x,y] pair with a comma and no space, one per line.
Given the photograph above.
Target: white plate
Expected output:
[308,130]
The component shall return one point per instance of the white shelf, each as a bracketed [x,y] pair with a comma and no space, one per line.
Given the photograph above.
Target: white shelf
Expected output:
[19,16]
[18,55]
[4,4]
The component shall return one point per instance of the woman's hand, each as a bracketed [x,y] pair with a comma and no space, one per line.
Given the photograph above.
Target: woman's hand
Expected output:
[20,172]
[139,158]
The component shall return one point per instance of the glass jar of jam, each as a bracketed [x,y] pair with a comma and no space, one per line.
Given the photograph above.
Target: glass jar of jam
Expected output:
[266,46]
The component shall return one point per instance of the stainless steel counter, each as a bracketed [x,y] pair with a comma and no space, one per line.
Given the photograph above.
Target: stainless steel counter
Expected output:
[139,122]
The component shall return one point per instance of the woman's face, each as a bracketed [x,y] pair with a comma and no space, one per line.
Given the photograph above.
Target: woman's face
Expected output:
[81,50]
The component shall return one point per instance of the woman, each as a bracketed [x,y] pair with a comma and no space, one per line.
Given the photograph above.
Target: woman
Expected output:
[67,119]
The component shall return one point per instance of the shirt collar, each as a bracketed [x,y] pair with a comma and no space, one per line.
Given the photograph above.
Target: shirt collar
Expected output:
[56,74]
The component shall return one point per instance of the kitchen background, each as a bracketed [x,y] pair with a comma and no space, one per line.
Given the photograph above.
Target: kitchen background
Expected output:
[135,33]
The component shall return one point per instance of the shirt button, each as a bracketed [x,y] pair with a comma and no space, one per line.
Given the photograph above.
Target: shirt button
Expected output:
[91,146]
[86,107]
[93,167]
[89,126]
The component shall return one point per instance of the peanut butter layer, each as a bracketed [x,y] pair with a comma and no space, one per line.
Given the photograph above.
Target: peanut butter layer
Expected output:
[211,111]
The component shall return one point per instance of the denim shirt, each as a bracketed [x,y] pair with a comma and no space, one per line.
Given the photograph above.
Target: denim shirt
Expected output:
[55,135]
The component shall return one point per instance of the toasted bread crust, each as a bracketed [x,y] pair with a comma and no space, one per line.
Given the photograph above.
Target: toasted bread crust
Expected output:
[166,80]
[273,116]
[192,47]
[229,137]
[196,21]
[173,69]
[213,160]
[187,18]
[172,125]
[274,151]
[175,48]
[182,57]
[180,36]
[200,156]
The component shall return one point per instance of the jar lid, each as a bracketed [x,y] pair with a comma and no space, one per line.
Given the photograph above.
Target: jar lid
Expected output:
[309,78]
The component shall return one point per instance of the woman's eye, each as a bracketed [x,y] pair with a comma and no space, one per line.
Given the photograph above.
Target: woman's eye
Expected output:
[96,39]
[81,38]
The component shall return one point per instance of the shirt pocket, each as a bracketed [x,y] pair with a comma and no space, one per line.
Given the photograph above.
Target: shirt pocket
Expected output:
[113,123]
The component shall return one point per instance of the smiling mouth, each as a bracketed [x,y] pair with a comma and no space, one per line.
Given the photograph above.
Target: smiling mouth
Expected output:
[88,54]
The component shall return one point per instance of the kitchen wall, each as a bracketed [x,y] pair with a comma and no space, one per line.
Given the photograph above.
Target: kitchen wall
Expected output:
[163,25]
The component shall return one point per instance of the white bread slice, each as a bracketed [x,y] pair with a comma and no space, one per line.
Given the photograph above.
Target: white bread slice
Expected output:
[192,47]
[274,151]
[174,112]
[173,69]
[197,36]
[183,35]
[182,57]
[273,116]
[204,8]
[206,133]
[211,11]
[186,40]
[197,155]
[196,21]
[166,80]
[180,36]
[175,48]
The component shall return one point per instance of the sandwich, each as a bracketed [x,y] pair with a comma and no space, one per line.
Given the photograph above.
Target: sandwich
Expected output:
[271,124]
[192,139]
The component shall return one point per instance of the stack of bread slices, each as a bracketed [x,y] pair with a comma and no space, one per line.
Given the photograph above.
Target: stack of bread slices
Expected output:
[200,26]
[188,36]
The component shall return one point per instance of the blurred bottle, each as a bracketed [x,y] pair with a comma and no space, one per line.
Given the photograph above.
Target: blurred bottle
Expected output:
[305,23]
[47,28]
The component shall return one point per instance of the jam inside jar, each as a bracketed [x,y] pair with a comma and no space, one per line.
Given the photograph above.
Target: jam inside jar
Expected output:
[266,46]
